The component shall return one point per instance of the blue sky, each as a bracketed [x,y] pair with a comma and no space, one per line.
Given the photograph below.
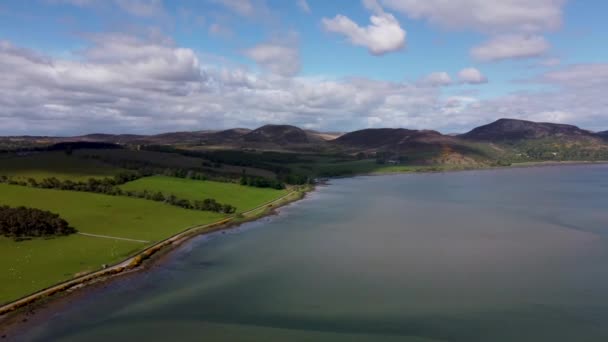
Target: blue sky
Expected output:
[144,66]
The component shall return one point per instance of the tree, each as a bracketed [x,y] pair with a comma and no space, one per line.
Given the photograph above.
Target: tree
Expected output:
[30,222]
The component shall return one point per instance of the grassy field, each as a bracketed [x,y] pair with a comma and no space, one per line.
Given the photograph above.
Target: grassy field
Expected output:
[118,216]
[35,264]
[242,197]
[55,164]
[29,266]
[38,263]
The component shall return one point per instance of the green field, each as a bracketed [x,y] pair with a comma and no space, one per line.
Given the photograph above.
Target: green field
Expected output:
[242,197]
[54,164]
[29,266]
[34,264]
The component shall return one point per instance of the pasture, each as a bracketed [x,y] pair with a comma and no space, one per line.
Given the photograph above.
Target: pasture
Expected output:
[34,264]
[242,197]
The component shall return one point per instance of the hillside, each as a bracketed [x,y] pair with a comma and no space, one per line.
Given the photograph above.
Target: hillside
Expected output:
[415,146]
[281,135]
[502,140]
[379,138]
[514,130]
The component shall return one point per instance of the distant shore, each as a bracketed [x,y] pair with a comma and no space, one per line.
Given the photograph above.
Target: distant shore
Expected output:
[432,169]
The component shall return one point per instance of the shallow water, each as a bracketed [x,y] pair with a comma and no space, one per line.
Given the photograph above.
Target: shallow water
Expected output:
[502,255]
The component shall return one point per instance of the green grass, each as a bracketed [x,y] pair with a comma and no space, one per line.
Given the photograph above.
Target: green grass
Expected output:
[242,197]
[31,265]
[109,215]
[55,164]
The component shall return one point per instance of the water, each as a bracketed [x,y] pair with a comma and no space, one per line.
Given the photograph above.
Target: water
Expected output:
[506,255]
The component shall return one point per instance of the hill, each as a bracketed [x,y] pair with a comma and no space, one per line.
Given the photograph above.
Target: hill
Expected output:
[515,130]
[281,135]
[393,138]
[413,146]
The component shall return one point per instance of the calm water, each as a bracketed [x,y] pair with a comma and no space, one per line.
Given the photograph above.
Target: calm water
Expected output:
[508,255]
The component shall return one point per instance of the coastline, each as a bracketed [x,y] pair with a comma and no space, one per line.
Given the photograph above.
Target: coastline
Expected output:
[47,303]
[421,169]
[38,305]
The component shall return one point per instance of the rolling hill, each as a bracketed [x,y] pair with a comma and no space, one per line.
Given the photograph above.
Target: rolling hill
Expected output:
[502,140]
[514,130]
[281,135]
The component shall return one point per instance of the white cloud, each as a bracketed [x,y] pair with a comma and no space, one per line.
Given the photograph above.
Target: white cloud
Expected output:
[280,58]
[578,75]
[127,84]
[303,6]
[471,76]
[483,15]
[515,26]
[437,79]
[510,46]
[578,97]
[382,36]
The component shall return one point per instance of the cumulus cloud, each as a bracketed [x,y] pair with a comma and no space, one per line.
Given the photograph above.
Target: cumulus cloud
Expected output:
[485,16]
[437,79]
[148,84]
[471,76]
[515,26]
[578,75]
[510,46]
[280,58]
[577,97]
[127,84]
[382,36]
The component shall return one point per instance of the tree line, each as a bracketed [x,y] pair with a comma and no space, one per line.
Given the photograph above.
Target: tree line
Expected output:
[267,160]
[23,222]
[109,186]
[261,182]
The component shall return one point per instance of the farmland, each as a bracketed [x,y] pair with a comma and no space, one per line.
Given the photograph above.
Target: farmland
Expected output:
[37,263]
[29,266]
[242,197]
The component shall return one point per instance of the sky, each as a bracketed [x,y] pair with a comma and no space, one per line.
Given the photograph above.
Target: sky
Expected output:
[70,67]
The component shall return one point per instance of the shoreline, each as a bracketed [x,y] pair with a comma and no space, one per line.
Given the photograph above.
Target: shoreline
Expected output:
[44,304]
[523,165]
[34,307]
